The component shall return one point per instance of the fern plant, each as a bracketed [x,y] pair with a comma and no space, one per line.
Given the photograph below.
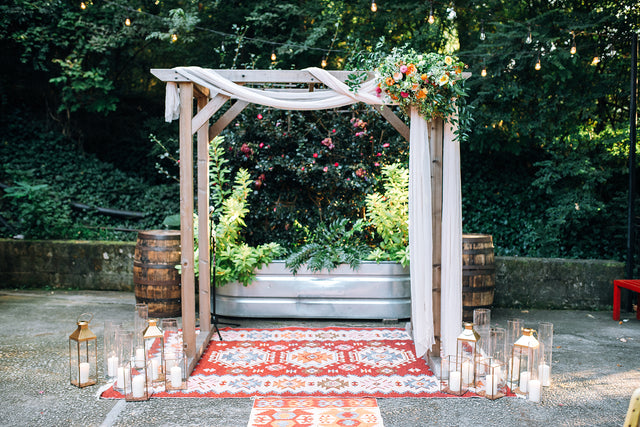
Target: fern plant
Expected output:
[388,215]
[329,246]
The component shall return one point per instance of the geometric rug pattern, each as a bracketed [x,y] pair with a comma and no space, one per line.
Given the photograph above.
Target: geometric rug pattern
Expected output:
[308,362]
[315,411]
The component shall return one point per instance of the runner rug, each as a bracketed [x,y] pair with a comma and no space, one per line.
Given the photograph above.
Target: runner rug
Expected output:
[315,411]
[308,362]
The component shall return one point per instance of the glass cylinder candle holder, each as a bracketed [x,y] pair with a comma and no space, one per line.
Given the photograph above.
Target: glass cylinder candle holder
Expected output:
[524,356]
[140,322]
[534,387]
[136,388]
[83,354]
[172,336]
[513,332]
[124,343]
[176,374]
[467,354]
[498,344]
[545,336]
[494,380]
[451,376]
[110,348]
[482,324]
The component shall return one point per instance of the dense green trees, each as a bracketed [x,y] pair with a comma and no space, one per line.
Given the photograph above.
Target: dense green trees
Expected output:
[543,168]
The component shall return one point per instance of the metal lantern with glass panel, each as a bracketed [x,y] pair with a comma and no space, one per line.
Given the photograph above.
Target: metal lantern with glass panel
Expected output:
[154,352]
[467,354]
[83,354]
[523,358]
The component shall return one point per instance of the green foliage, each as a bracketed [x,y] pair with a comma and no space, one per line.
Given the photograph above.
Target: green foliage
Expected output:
[235,259]
[388,214]
[329,246]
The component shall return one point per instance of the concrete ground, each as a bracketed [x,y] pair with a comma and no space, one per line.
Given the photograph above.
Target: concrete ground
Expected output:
[596,367]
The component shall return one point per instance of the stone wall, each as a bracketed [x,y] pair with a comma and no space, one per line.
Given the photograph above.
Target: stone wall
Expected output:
[520,282]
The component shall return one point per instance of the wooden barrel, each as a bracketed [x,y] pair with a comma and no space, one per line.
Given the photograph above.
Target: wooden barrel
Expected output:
[478,273]
[155,277]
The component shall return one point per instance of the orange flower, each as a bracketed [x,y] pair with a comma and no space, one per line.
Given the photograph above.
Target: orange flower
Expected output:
[415,86]
[458,70]
[395,98]
[411,69]
[422,93]
[424,77]
[389,81]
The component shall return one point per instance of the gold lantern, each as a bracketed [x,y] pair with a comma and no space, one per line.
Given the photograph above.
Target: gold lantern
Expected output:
[154,351]
[83,354]
[523,360]
[467,354]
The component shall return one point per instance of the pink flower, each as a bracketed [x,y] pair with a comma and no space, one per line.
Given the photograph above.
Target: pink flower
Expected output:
[336,164]
[302,168]
[385,145]
[315,155]
[261,145]
[325,169]
[333,131]
[404,94]
[259,116]
[376,164]
[378,90]
[403,69]
[378,154]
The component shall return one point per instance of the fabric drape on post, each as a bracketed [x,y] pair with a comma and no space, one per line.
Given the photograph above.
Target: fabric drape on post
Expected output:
[451,274]
[420,235]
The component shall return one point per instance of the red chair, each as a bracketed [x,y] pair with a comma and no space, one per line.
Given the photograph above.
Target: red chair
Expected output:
[632,285]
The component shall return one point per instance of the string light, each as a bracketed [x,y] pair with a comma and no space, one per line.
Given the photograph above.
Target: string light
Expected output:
[483,73]
[573,44]
[174,38]
[596,60]
[482,34]
[127,22]
[431,19]
[538,65]
[273,56]
[83,5]
[374,6]
[529,38]
[324,62]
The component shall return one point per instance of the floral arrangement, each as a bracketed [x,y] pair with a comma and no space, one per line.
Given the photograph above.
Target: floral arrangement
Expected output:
[428,81]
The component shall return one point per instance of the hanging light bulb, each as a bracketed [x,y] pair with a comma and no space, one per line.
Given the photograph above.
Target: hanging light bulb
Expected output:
[432,18]
[127,22]
[483,73]
[573,44]
[273,56]
[324,62]
[174,38]
[529,38]
[538,65]
[596,60]
[374,6]
[83,5]
[482,33]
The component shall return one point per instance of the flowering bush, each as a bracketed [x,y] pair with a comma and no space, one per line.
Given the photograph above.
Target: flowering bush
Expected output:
[429,81]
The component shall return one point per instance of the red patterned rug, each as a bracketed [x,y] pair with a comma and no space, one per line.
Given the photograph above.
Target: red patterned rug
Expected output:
[315,411]
[308,362]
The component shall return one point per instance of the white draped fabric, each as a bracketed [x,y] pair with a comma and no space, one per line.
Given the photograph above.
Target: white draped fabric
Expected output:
[451,274]
[420,215]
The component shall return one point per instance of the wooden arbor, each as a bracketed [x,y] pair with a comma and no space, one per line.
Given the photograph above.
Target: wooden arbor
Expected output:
[206,105]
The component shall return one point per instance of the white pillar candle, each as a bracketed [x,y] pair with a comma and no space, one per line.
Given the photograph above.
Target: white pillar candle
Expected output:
[154,369]
[491,385]
[84,372]
[137,386]
[544,373]
[534,390]
[120,378]
[112,366]
[176,376]
[467,372]
[524,381]
[496,370]
[454,381]
[139,357]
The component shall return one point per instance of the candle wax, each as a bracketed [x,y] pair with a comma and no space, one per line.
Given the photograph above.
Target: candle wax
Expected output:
[524,381]
[84,372]
[112,366]
[454,381]
[137,386]
[544,373]
[176,376]
[534,390]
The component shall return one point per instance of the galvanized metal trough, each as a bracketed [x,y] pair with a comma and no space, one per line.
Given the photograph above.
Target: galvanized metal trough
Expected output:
[373,291]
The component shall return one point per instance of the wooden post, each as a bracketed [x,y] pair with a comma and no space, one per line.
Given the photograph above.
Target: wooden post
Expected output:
[204,263]
[436,132]
[186,220]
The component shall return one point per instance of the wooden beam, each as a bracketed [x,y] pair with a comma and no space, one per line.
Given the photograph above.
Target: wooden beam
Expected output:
[204,237]
[256,76]
[227,118]
[394,120]
[186,220]
[205,113]
[436,133]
